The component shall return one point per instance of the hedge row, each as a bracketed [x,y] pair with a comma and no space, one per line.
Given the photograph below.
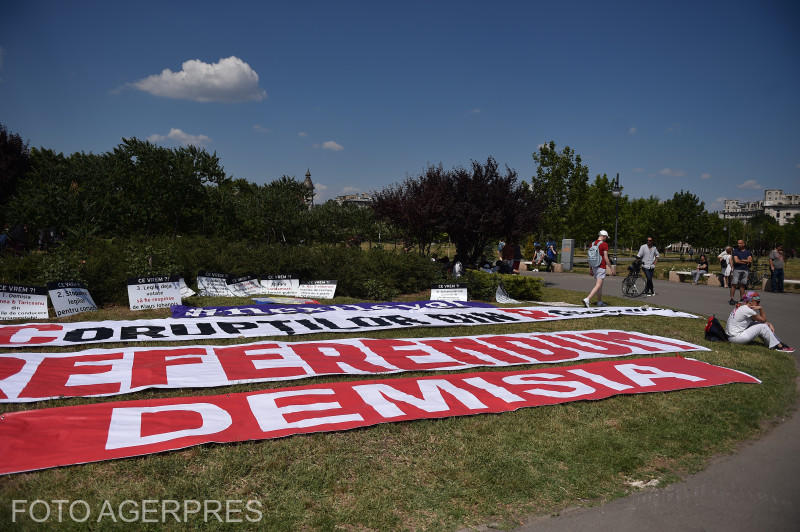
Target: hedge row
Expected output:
[105,266]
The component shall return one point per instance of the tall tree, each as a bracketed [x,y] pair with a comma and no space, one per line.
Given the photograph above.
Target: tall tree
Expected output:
[561,182]
[14,163]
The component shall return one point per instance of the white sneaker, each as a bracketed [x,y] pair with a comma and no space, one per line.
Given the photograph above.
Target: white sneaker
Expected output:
[586,302]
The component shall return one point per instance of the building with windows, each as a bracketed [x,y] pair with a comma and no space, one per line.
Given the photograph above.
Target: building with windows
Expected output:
[783,207]
[361,200]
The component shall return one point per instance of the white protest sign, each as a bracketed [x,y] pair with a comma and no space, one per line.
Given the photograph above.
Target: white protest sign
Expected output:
[449,292]
[213,284]
[280,285]
[317,289]
[70,297]
[22,302]
[185,290]
[244,286]
[160,291]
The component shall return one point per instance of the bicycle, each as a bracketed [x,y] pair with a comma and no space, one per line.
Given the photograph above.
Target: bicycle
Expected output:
[756,275]
[633,285]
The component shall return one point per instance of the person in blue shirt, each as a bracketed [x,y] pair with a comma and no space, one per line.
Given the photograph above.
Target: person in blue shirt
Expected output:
[550,253]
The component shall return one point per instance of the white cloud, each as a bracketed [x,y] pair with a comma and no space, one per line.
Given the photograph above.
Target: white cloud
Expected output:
[178,136]
[332,146]
[797,165]
[705,175]
[632,131]
[638,170]
[302,134]
[475,111]
[261,129]
[750,184]
[350,190]
[229,80]
[672,172]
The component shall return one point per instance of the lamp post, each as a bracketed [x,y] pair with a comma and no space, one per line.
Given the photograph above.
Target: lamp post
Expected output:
[616,191]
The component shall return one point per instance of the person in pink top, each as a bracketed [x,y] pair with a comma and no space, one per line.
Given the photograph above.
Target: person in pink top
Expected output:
[599,272]
[748,322]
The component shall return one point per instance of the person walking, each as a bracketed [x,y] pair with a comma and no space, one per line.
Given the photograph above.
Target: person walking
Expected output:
[776,263]
[649,255]
[599,271]
[742,259]
[748,321]
[726,265]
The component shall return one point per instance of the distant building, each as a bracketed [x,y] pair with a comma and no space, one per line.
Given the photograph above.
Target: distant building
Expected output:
[783,207]
[362,200]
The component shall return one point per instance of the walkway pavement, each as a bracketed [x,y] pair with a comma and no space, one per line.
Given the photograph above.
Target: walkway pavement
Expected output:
[756,489]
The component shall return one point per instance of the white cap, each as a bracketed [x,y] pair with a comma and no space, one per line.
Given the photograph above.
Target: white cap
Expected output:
[603,232]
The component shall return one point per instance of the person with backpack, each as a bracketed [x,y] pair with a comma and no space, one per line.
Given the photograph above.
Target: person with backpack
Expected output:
[748,321]
[550,253]
[649,255]
[598,264]
[726,265]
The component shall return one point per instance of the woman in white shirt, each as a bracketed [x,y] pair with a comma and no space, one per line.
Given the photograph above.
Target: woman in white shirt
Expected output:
[727,256]
[748,321]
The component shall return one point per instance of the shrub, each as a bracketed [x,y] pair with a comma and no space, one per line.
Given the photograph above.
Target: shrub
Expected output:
[105,265]
[482,285]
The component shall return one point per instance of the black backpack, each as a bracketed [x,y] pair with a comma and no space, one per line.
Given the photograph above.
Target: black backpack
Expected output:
[714,330]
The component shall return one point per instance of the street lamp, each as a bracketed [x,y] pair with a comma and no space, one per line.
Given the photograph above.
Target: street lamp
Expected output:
[616,191]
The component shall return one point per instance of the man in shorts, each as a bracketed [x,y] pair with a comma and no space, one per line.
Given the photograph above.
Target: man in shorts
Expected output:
[599,273]
[742,259]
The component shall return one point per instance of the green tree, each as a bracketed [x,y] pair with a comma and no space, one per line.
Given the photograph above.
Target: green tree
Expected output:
[561,184]
[684,218]
[14,163]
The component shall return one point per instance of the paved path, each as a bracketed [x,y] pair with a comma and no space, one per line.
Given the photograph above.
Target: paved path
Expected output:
[756,489]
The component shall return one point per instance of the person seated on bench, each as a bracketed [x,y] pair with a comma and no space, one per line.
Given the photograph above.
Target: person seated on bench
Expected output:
[702,268]
[748,320]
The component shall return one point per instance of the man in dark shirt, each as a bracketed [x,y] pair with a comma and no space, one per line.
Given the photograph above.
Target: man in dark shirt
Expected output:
[742,259]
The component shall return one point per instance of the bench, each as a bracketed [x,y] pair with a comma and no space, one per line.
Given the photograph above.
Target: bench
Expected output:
[766,283]
[677,276]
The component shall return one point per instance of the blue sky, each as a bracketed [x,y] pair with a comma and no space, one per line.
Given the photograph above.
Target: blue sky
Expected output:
[699,96]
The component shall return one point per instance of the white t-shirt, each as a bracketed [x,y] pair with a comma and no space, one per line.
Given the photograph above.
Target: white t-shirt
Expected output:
[728,260]
[648,256]
[739,320]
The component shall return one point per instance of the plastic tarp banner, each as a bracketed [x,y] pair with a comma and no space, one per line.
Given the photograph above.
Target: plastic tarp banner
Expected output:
[26,377]
[349,321]
[51,437]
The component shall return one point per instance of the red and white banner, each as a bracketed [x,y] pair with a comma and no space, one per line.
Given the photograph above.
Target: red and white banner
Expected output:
[51,437]
[26,377]
[348,321]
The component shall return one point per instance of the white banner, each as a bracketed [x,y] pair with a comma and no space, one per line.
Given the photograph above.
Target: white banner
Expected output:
[186,292]
[70,297]
[345,321]
[213,284]
[153,292]
[29,377]
[280,285]
[449,292]
[19,302]
[317,289]
[244,286]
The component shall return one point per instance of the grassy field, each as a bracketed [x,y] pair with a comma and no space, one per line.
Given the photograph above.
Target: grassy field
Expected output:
[441,474]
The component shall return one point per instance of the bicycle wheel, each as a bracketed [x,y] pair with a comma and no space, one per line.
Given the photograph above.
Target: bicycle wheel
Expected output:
[633,286]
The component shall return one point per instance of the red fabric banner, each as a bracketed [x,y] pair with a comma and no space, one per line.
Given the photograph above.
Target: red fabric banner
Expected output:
[26,377]
[52,437]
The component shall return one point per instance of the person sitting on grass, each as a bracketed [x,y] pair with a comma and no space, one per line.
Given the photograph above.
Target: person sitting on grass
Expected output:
[702,268]
[748,320]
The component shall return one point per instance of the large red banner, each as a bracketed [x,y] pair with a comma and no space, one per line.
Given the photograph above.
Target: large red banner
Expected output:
[26,377]
[53,437]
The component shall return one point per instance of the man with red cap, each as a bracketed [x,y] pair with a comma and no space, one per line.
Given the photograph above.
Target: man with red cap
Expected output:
[748,321]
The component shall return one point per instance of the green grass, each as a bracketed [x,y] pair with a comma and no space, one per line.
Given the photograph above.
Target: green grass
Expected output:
[447,473]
